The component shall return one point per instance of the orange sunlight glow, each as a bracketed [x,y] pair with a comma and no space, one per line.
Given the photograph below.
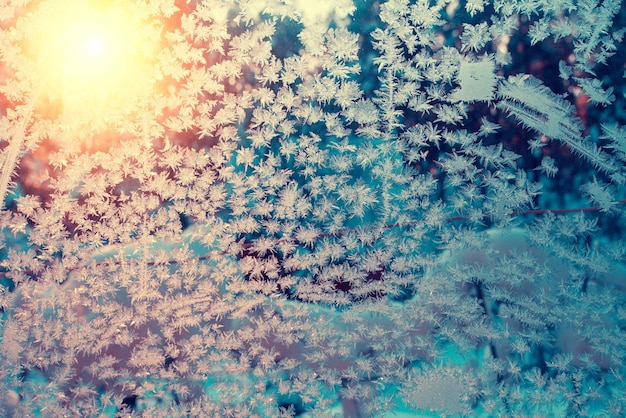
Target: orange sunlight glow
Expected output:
[93,61]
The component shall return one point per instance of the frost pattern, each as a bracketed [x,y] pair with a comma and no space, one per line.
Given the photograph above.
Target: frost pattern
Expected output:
[352,209]
[477,80]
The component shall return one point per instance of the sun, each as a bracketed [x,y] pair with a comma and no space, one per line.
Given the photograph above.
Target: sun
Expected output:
[92,60]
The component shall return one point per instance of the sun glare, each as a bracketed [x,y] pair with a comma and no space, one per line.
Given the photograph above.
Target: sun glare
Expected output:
[92,59]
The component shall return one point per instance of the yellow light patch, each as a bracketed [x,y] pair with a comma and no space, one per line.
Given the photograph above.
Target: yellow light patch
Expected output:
[92,60]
